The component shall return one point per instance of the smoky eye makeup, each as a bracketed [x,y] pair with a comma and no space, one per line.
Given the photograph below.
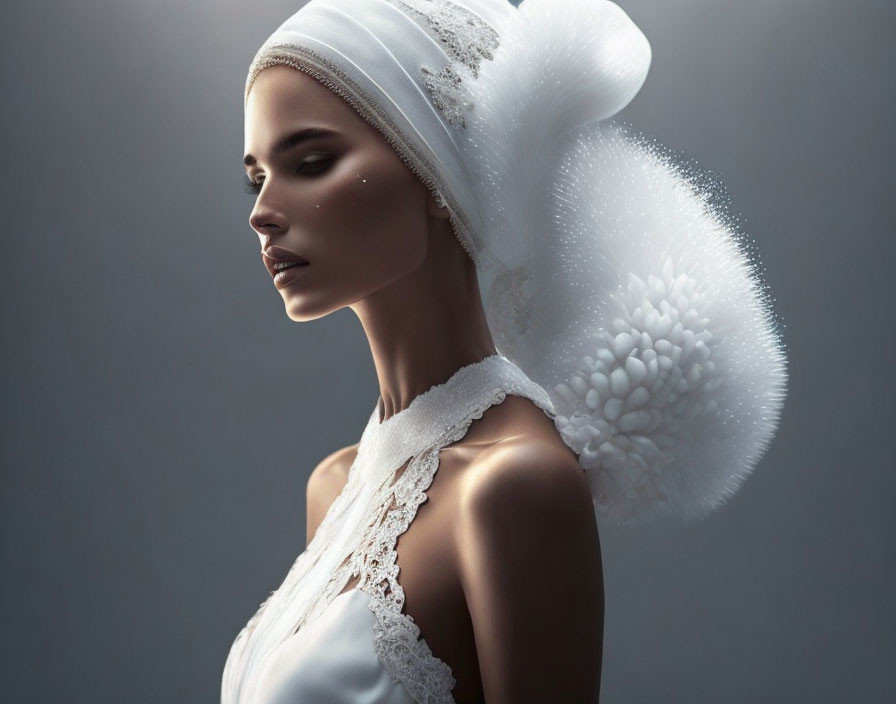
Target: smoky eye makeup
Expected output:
[309,166]
[315,164]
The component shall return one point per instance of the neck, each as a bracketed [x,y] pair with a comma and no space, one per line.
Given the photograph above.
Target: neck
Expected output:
[425,326]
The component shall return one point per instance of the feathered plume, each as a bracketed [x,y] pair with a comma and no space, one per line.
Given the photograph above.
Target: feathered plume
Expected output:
[625,290]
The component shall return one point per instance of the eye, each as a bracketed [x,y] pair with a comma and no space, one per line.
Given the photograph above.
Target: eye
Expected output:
[308,166]
[314,165]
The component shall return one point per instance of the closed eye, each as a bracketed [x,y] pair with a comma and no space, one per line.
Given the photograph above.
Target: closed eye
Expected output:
[309,166]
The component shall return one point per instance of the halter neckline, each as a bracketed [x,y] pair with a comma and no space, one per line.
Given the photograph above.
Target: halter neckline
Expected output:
[420,398]
[360,530]
[385,445]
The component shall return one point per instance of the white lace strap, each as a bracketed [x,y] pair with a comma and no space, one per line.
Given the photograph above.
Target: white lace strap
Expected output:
[397,642]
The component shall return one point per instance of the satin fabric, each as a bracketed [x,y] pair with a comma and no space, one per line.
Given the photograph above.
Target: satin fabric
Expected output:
[331,661]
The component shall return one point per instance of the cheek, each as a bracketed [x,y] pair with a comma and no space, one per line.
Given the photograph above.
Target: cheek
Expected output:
[373,213]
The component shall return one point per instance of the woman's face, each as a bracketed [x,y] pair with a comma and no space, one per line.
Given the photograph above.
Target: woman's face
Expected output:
[340,199]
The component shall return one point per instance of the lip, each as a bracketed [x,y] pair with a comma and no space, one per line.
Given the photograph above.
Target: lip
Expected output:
[289,275]
[271,255]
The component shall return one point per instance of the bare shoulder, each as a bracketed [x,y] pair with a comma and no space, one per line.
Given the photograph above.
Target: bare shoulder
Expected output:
[530,566]
[521,452]
[522,478]
[325,483]
[332,471]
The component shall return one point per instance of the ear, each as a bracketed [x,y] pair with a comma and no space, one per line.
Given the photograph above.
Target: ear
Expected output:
[435,206]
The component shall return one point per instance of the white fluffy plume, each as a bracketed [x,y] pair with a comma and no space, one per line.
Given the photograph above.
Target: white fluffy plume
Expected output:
[624,288]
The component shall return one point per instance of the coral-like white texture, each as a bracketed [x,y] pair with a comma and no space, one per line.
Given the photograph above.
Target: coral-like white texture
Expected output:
[650,390]
[625,288]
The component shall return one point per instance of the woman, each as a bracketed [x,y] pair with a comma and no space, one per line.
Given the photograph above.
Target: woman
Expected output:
[374,142]
[375,240]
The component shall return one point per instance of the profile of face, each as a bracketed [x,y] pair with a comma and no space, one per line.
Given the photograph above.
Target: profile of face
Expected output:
[332,191]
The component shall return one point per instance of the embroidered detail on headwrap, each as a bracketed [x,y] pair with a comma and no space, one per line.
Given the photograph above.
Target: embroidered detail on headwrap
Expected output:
[468,39]
[510,299]
[448,93]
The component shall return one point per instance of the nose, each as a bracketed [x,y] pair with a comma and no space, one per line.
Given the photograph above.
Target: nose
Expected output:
[267,221]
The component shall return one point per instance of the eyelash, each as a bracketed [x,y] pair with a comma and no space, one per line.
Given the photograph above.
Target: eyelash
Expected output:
[255,188]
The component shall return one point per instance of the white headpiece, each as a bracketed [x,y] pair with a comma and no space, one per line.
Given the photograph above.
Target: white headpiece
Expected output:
[610,274]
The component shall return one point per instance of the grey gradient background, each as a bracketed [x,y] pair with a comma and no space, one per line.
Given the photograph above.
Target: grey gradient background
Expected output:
[161,413]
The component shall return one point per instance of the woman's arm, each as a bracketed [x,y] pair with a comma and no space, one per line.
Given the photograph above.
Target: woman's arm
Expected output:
[530,564]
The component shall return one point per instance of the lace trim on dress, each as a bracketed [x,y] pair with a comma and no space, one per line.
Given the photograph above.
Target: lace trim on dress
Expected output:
[404,655]
[397,642]
[436,418]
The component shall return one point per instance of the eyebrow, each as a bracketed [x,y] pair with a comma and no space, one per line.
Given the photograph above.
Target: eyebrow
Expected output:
[291,140]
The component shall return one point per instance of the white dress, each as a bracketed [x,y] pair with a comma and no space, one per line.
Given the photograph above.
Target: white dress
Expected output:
[314,641]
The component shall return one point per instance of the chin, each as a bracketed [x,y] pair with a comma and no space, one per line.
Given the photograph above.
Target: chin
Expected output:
[305,316]
[305,311]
